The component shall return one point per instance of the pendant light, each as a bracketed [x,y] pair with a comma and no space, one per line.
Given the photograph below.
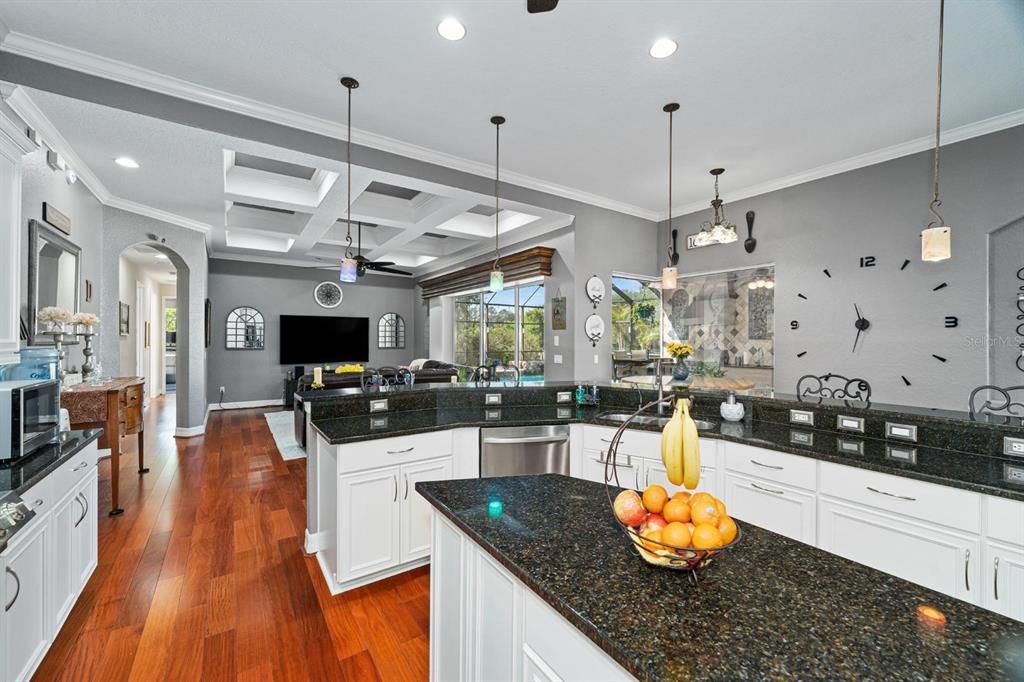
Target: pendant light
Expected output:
[349,265]
[669,273]
[719,230]
[936,238]
[497,276]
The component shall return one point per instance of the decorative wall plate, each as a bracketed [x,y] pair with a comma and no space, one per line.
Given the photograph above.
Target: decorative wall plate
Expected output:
[594,328]
[595,290]
[328,294]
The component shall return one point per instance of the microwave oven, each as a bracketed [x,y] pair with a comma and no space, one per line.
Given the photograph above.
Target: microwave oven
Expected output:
[29,416]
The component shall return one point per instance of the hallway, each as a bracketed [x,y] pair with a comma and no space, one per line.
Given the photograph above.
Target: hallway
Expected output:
[204,576]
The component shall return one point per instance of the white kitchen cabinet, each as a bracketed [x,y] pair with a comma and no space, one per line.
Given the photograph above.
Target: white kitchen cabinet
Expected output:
[85,545]
[495,639]
[63,583]
[654,471]
[25,627]
[927,554]
[777,507]
[626,466]
[1003,579]
[368,522]
[415,511]
[13,144]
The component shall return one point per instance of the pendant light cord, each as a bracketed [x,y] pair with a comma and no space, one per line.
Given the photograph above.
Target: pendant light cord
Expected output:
[936,202]
[348,162]
[497,181]
[669,235]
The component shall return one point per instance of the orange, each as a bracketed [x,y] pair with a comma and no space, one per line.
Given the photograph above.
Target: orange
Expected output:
[720,506]
[676,510]
[706,536]
[676,534]
[651,539]
[704,512]
[727,527]
[683,495]
[690,527]
[655,497]
[701,498]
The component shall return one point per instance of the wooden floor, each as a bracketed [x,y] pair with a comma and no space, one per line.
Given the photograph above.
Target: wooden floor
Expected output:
[204,576]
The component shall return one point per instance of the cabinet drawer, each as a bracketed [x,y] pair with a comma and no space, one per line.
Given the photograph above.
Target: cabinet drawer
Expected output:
[640,443]
[73,471]
[1005,520]
[393,451]
[40,499]
[929,502]
[781,467]
[628,468]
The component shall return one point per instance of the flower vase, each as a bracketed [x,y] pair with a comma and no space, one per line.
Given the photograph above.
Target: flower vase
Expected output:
[89,370]
[54,326]
[680,372]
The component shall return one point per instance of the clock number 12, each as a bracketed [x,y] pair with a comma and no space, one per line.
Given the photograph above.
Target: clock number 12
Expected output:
[867,261]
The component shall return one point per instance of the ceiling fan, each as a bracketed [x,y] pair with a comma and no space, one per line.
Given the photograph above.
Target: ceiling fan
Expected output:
[365,263]
[538,6]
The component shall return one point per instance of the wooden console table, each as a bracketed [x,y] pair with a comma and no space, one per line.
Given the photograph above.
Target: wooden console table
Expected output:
[116,407]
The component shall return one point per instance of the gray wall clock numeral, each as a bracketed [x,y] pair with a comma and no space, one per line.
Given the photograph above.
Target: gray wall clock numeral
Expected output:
[867,261]
[952,322]
[794,325]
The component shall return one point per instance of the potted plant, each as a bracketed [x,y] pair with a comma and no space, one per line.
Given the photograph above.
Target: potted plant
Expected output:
[680,350]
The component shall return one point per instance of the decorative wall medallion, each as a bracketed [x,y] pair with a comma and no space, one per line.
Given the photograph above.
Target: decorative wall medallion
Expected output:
[328,294]
[853,392]
[595,290]
[594,328]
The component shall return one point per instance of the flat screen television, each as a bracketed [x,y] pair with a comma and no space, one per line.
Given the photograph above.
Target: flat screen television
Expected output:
[316,338]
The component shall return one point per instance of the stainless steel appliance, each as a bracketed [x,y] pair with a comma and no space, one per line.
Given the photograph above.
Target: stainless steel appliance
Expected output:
[517,450]
[29,416]
[13,515]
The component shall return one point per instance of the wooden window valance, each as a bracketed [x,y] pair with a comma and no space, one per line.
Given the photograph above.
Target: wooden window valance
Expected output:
[533,262]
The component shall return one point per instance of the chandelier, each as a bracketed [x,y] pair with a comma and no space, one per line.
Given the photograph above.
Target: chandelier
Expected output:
[718,231]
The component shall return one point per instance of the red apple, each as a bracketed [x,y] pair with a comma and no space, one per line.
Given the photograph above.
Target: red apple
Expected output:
[655,522]
[629,508]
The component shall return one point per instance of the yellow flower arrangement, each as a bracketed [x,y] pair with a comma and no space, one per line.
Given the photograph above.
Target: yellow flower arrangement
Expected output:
[316,385]
[345,369]
[680,349]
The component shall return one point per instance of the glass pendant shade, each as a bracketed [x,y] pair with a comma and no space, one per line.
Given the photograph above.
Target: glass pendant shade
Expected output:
[720,234]
[497,281]
[669,278]
[936,244]
[349,270]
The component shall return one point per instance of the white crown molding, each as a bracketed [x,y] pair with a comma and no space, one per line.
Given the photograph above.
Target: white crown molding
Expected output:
[26,108]
[959,134]
[111,69]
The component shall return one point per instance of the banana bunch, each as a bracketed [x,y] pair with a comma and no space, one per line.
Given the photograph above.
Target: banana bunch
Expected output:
[680,451]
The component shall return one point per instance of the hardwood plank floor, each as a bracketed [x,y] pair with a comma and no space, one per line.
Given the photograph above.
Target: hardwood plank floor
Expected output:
[204,577]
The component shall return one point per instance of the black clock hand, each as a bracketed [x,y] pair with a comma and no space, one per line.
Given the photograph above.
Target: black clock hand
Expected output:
[857,310]
[856,339]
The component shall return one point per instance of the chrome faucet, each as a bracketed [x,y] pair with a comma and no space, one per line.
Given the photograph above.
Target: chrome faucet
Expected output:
[515,370]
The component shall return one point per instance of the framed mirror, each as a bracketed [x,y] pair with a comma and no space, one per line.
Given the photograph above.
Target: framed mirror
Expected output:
[245,329]
[391,331]
[54,273]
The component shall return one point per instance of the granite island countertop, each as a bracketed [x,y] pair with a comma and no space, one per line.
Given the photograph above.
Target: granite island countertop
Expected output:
[21,474]
[769,608]
[978,473]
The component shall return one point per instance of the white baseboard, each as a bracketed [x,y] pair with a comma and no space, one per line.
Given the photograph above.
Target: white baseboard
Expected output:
[296,457]
[314,542]
[337,588]
[246,404]
[190,431]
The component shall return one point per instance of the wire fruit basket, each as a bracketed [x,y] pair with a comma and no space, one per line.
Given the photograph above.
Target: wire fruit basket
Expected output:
[651,550]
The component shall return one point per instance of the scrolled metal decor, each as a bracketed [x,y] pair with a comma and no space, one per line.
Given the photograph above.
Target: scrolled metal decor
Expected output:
[1020,319]
[854,392]
[1003,405]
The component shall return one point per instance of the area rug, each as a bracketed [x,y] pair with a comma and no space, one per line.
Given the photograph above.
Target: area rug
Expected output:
[282,427]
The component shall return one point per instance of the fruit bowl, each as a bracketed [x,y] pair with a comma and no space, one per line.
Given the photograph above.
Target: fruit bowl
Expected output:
[658,553]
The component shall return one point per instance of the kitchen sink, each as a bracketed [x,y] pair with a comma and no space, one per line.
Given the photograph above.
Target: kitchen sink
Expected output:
[651,420]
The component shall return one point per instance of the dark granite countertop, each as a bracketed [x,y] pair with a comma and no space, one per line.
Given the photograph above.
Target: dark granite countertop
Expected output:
[769,608]
[21,474]
[979,473]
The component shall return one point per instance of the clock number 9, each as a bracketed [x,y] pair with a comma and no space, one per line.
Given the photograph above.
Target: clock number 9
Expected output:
[794,325]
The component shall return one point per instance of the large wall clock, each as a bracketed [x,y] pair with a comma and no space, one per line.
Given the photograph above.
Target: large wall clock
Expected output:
[867,321]
[328,294]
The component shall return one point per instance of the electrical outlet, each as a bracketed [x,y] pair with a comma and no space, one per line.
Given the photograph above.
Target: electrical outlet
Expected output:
[222,394]
[1013,446]
[556,337]
[1013,474]
[558,358]
[597,359]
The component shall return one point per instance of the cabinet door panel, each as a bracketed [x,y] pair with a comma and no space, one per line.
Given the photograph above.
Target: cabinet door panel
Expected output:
[771,505]
[496,642]
[1004,579]
[25,627]
[654,472]
[62,579]
[927,555]
[85,533]
[368,523]
[416,511]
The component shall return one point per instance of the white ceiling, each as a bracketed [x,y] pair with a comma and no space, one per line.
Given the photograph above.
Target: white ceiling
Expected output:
[770,90]
[151,262]
[262,212]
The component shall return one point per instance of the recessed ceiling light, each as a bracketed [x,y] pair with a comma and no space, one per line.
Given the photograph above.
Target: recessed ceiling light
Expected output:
[663,47]
[126,162]
[451,29]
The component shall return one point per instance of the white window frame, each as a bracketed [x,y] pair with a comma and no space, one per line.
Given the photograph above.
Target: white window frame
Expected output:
[482,295]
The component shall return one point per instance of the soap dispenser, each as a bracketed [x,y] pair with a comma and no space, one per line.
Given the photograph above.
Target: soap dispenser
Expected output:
[731,409]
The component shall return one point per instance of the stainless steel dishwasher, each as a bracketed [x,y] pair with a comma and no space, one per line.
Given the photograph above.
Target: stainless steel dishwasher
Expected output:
[517,450]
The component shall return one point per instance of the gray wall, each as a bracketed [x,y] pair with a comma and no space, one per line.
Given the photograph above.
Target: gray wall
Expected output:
[879,211]
[38,184]
[186,250]
[277,289]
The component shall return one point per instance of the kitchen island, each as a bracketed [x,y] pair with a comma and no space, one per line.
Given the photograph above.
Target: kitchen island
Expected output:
[532,579]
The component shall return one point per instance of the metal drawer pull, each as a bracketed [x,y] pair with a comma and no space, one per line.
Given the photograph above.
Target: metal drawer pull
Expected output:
[898,497]
[17,591]
[995,579]
[394,479]
[401,452]
[81,466]
[767,466]
[967,569]
[80,498]
[528,439]
[406,495]
[621,441]
[618,460]
[768,490]
[37,504]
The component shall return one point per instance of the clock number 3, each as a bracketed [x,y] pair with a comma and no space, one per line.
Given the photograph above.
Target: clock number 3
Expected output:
[952,322]
[867,261]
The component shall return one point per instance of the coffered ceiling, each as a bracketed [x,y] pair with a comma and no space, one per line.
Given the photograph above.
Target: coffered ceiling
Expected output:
[778,92]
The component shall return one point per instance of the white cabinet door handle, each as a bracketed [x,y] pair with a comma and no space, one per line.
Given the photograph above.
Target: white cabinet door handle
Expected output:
[768,490]
[17,590]
[405,496]
[401,452]
[80,499]
[81,466]
[898,497]
[767,466]
[394,479]
[967,569]
[605,440]
[995,578]
[37,504]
